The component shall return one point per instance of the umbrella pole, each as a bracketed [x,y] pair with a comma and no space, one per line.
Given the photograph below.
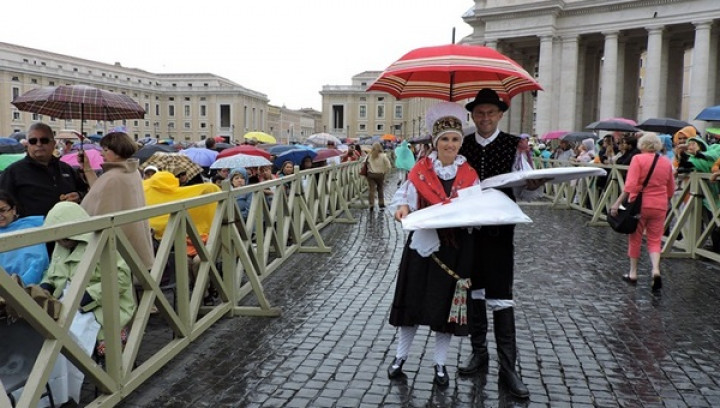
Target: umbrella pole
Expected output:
[82,135]
[452,80]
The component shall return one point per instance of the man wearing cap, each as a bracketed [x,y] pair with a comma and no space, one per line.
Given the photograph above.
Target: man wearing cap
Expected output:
[492,152]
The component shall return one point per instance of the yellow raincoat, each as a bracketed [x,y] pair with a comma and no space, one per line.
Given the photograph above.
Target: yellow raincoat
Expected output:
[164,187]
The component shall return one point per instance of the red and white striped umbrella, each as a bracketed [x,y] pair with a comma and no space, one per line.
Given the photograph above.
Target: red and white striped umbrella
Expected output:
[79,102]
[454,73]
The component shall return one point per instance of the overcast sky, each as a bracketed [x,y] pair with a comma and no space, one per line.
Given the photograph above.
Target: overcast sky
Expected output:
[285,49]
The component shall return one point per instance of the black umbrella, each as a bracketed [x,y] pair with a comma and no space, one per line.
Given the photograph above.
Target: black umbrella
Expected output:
[575,137]
[421,139]
[220,146]
[663,125]
[148,150]
[617,125]
[18,136]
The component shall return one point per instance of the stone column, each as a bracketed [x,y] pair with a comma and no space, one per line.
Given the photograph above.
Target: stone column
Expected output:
[608,88]
[545,77]
[568,84]
[653,69]
[491,44]
[699,73]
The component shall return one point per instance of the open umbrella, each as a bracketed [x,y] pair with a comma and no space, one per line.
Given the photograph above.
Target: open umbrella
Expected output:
[244,149]
[175,163]
[322,139]
[220,146]
[612,124]
[663,125]
[95,157]
[68,135]
[18,135]
[712,114]
[324,154]
[261,137]
[12,148]
[421,139]
[554,134]
[240,160]
[148,150]
[388,137]
[8,159]
[200,155]
[79,102]
[576,137]
[296,156]
[454,72]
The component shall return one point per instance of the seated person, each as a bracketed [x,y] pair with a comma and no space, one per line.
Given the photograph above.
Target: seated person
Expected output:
[30,262]
[66,257]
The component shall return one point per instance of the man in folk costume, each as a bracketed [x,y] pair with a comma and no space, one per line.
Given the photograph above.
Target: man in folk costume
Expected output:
[492,152]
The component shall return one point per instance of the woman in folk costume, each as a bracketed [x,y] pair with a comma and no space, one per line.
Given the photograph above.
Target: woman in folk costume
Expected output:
[435,268]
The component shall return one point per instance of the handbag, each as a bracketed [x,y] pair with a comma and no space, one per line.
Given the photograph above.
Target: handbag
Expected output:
[364,168]
[628,215]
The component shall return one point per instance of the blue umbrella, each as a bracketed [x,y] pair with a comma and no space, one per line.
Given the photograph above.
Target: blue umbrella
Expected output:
[95,138]
[712,113]
[296,156]
[280,149]
[8,141]
[200,155]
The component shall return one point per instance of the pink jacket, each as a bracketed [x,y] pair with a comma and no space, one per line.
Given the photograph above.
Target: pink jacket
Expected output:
[661,185]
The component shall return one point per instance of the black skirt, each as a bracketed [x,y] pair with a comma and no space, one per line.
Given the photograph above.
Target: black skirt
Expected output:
[424,291]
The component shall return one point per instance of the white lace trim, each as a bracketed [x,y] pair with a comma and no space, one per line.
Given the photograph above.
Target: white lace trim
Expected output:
[446,172]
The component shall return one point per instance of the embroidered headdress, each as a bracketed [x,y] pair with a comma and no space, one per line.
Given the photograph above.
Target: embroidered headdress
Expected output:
[444,117]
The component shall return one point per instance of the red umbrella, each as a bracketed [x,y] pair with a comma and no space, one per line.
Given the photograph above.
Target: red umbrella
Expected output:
[324,154]
[454,72]
[555,134]
[79,102]
[244,149]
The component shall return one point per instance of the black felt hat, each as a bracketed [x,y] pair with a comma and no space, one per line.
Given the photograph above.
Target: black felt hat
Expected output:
[487,95]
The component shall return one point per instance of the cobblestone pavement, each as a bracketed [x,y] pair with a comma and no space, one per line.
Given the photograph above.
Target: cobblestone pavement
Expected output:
[585,337]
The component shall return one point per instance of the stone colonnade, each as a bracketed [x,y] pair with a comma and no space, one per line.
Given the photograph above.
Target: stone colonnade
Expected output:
[637,73]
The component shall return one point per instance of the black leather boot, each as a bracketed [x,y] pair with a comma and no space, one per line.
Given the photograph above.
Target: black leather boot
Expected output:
[477,319]
[395,369]
[504,324]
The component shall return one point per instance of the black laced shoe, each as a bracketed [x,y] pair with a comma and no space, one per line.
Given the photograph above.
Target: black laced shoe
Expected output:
[395,369]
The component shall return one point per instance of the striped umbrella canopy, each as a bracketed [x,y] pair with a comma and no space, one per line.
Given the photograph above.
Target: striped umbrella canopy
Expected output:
[79,102]
[453,73]
[175,163]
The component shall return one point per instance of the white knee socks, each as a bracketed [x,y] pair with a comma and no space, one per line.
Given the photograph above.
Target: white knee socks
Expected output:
[406,336]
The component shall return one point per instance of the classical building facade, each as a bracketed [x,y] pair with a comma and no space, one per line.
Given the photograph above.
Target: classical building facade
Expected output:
[595,59]
[183,107]
[600,59]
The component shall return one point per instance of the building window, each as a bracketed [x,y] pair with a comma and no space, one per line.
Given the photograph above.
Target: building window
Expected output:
[225,116]
[381,99]
[35,116]
[381,111]
[16,79]
[363,112]
[147,107]
[203,125]
[203,110]
[16,92]
[157,109]
[187,110]
[33,81]
[338,117]
[187,125]
[380,127]
[51,83]
[187,99]
[136,123]
[398,112]
[362,127]
[172,98]
[16,115]
[171,110]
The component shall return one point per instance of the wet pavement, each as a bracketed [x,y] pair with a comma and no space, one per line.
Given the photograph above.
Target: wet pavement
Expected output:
[585,337]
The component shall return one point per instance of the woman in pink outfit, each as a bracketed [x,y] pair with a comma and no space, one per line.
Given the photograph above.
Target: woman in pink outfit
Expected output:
[655,197]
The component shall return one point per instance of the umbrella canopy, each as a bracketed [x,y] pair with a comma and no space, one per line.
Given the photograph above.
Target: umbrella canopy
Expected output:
[240,160]
[85,145]
[663,125]
[200,155]
[12,148]
[8,159]
[612,124]
[576,137]
[421,139]
[322,139]
[280,149]
[713,130]
[453,73]
[79,102]
[220,146]
[261,137]
[324,154]
[68,135]
[175,163]
[296,156]
[95,157]
[95,138]
[18,135]
[244,149]
[388,137]
[712,114]
[4,141]
[148,150]
[554,134]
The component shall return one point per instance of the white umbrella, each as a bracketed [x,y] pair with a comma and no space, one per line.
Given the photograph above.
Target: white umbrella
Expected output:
[473,207]
[240,160]
[322,139]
